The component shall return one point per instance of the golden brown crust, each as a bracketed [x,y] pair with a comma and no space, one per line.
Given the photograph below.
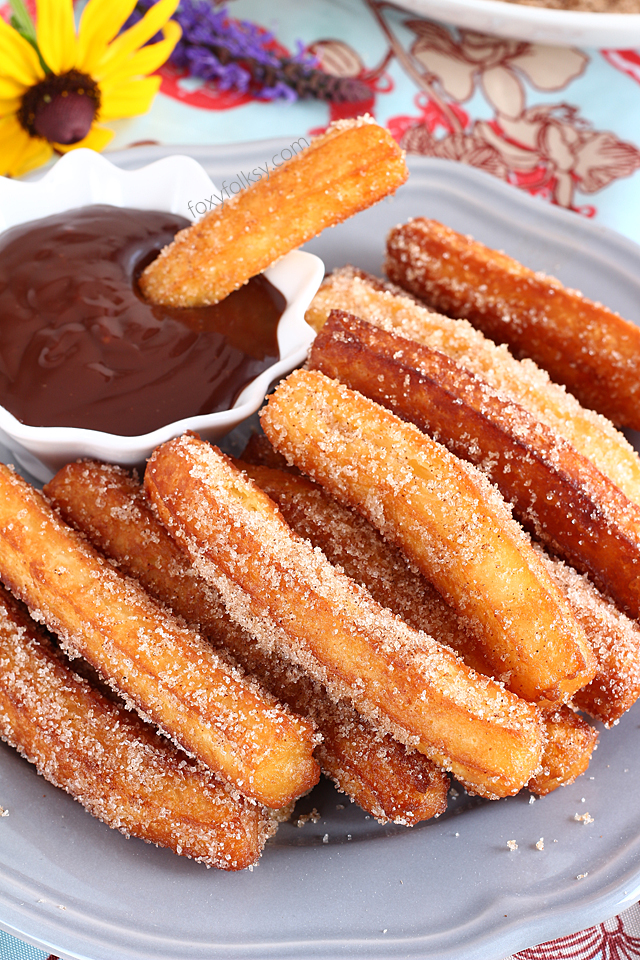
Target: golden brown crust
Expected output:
[292,599]
[350,542]
[347,169]
[112,762]
[570,743]
[556,493]
[446,518]
[109,507]
[582,344]
[615,640]
[518,380]
[166,671]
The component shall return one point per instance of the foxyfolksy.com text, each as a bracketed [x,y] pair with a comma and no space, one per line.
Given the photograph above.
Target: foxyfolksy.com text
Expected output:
[245,179]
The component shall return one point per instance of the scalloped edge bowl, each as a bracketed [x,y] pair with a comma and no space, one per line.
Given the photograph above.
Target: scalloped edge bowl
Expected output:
[83,177]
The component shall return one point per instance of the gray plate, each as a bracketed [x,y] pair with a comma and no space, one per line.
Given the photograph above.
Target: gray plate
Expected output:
[346,886]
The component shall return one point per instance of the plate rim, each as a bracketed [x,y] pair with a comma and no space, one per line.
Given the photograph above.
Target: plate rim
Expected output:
[607,903]
[535,24]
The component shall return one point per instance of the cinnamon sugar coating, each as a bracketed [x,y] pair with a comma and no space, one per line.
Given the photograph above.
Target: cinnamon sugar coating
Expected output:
[167,672]
[376,771]
[387,306]
[570,743]
[582,344]
[556,492]
[446,518]
[112,762]
[292,600]
[351,543]
[353,165]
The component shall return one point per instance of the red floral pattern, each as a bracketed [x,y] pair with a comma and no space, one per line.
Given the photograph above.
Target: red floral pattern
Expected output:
[611,940]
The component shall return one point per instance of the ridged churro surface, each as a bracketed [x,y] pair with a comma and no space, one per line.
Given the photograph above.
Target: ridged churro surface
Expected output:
[349,541]
[555,491]
[582,344]
[614,639]
[522,381]
[570,743]
[446,518]
[293,600]
[109,507]
[166,671]
[345,170]
[112,762]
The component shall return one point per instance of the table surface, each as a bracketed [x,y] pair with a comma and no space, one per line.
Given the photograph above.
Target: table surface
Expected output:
[559,122]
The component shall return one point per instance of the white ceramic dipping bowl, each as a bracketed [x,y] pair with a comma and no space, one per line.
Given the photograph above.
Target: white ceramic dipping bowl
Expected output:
[83,177]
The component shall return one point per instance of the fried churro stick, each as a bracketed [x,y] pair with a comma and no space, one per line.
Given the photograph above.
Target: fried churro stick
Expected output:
[166,671]
[556,493]
[446,518]
[349,541]
[582,344]
[614,639]
[293,600]
[474,420]
[112,762]
[109,507]
[570,743]
[519,380]
[350,167]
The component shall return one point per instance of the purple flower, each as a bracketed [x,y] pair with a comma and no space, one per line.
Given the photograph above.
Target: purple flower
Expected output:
[235,55]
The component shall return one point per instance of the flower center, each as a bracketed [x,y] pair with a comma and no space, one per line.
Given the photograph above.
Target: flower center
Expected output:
[61,108]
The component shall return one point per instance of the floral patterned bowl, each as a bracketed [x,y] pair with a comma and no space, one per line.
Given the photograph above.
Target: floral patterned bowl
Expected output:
[84,177]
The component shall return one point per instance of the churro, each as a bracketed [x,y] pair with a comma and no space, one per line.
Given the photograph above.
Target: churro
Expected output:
[291,599]
[112,762]
[556,493]
[447,519]
[385,305]
[614,639]
[109,507]
[167,672]
[347,169]
[582,344]
[570,743]
[349,541]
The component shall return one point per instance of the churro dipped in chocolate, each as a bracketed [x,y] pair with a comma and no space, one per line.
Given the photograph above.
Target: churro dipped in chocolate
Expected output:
[582,344]
[386,306]
[345,170]
[165,670]
[446,518]
[380,774]
[556,493]
[112,762]
[292,600]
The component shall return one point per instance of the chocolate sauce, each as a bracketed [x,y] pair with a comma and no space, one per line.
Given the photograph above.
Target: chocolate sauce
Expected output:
[80,347]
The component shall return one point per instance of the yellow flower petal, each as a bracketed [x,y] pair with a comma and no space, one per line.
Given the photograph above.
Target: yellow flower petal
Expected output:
[9,105]
[136,36]
[9,88]
[18,60]
[96,139]
[128,99]
[15,144]
[99,24]
[37,153]
[145,61]
[56,34]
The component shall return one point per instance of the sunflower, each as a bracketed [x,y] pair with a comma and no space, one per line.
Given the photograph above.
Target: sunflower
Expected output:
[57,85]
